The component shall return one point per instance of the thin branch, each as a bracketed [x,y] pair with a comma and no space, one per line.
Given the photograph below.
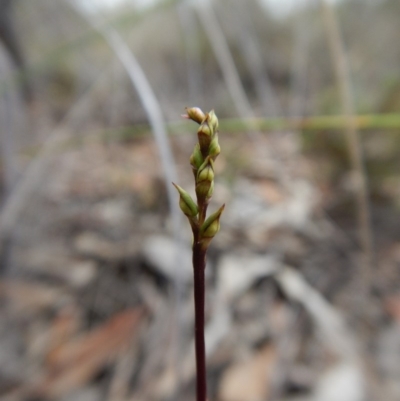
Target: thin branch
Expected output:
[35,171]
[298,82]
[252,56]
[152,108]
[145,93]
[388,122]
[317,123]
[224,57]
[354,143]
[190,28]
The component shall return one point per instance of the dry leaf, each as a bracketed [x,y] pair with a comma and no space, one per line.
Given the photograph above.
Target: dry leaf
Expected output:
[29,297]
[249,380]
[73,364]
[392,306]
[65,325]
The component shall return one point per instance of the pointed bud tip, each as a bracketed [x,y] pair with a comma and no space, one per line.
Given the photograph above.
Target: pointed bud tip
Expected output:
[220,210]
[213,120]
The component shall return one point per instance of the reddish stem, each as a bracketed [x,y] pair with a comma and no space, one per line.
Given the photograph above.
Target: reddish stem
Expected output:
[199,264]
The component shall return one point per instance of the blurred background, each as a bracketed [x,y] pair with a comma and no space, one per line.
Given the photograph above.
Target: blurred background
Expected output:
[96,290]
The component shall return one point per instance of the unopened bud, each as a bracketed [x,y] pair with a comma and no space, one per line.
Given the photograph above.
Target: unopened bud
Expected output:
[205,178]
[195,114]
[211,226]
[196,159]
[206,170]
[186,203]
[214,150]
[213,121]
[205,136]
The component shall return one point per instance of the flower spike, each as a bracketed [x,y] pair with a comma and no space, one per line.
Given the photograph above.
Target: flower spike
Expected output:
[204,229]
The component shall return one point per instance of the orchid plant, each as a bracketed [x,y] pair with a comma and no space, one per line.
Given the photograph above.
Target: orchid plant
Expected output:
[204,228]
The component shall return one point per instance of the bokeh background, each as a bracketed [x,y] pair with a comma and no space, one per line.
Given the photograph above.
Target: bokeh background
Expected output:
[96,289]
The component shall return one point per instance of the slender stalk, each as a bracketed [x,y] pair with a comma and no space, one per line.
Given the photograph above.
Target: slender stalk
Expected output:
[199,265]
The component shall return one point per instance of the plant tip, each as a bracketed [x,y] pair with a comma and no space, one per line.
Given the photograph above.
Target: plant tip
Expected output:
[195,114]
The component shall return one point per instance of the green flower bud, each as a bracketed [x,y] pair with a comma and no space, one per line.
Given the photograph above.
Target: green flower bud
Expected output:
[211,226]
[206,171]
[205,179]
[196,159]
[212,121]
[195,114]
[204,134]
[214,150]
[186,203]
